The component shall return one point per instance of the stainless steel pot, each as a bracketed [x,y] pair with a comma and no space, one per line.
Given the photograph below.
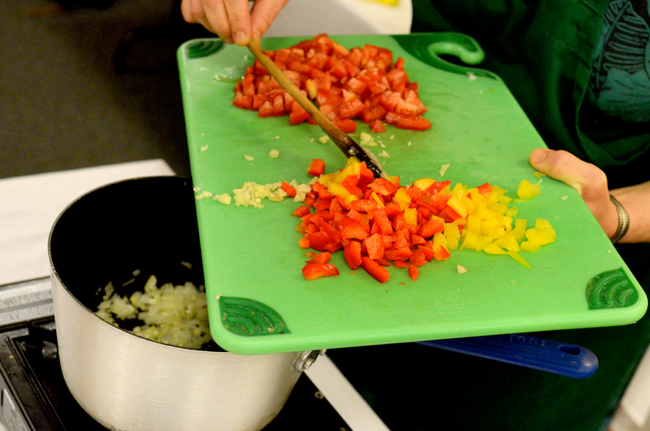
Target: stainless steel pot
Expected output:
[126,382]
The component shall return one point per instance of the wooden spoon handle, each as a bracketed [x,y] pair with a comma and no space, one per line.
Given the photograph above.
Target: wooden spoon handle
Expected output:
[342,140]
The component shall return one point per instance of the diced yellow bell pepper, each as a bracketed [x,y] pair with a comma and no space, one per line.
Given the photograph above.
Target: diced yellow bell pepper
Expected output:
[482,242]
[351,198]
[489,227]
[338,190]
[493,249]
[352,168]
[526,190]
[503,199]
[544,226]
[458,190]
[469,241]
[376,198]
[453,235]
[452,231]
[402,198]
[512,212]
[474,224]
[452,243]
[423,183]
[542,234]
[516,256]
[498,207]
[411,216]
[469,204]
[457,205]
[439,239]
[484,213]
[506,222]
[508,242]
[326,179]
[519,230]
[310,86]
[529,246]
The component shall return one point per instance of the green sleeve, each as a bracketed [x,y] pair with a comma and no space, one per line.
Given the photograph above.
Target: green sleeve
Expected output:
[544,51]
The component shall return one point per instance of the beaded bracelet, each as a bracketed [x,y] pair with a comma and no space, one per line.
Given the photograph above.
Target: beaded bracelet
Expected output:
[623,221]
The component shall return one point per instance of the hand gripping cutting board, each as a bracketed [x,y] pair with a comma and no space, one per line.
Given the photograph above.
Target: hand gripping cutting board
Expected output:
[258,300]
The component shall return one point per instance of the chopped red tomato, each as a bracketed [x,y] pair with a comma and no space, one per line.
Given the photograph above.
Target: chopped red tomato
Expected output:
[348,126]
[377,126]
[404,121]
[361,83]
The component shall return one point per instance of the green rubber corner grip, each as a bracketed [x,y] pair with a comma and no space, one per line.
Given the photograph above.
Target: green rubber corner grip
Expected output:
[202,48]
[247,317]
[428,47]
[611,289]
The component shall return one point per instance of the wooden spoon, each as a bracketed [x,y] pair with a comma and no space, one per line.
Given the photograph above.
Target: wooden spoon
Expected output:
[342,140]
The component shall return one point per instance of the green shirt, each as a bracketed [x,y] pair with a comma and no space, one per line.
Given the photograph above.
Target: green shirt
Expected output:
[580,70]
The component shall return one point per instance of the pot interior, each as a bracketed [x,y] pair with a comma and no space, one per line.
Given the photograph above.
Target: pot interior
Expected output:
[145,225]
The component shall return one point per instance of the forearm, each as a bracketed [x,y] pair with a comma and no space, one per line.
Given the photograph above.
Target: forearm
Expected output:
[636,201]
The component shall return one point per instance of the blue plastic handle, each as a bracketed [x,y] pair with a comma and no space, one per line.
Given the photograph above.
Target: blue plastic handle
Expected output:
[537,353]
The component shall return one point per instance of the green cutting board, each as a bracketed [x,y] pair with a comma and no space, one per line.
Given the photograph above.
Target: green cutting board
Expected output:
[258,300]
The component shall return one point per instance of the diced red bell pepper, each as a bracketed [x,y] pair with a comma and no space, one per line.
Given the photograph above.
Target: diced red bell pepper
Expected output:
[429,254]
[301,211]
[352,254]
[403,253]
[383,187]
[418,258]
[323,257]
[288,188]
[375,246]
[380,219]
[431,228]
[449,215]
[375,270]
[313,271]
[304,242]
[414,272]
[316,168]
[350,229]
[485,189]
[441,253]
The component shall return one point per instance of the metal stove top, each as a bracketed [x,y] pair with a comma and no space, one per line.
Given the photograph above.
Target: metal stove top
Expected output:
[33,393]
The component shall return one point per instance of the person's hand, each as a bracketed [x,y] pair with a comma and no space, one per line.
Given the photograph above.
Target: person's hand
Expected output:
[587,179]
[231,20]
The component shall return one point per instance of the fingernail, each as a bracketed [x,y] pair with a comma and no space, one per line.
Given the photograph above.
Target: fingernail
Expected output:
[538,156]
[240,38]
[257,35]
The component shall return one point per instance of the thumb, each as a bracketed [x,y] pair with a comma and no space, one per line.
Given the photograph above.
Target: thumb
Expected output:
[561,165]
